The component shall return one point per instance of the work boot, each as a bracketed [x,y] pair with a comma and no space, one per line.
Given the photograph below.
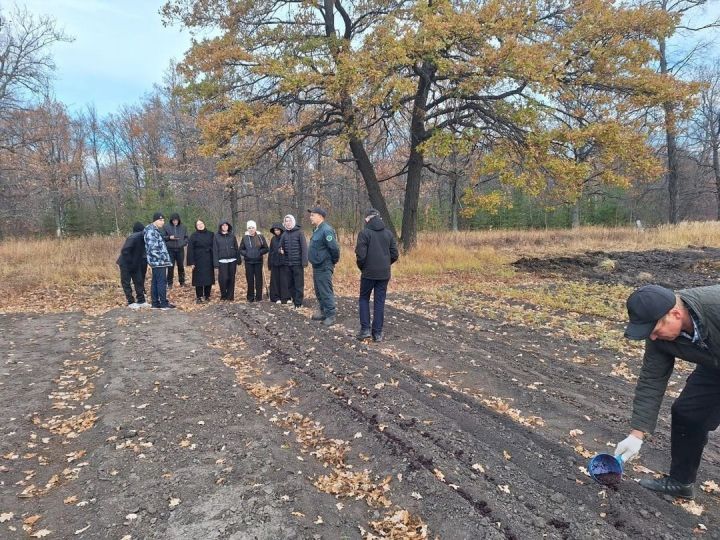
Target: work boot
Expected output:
[668,486]
[377,337]
[363,335]
[329,321]
[318,316]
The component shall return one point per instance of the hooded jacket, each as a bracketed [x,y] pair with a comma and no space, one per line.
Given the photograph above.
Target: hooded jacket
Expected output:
[179,231]
[252,248]
[275,258]
[132,254]
[376,249]
[225,246]
[659,358]
[294,246]
[155,248]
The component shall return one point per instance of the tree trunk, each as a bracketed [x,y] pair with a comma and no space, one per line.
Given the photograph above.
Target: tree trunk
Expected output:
[416,161]
[232,193]
[671,143]
[454,199]
[576,214]
[714,142]
[372,185]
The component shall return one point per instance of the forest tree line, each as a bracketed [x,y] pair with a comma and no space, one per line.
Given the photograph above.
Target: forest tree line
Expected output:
[443,115]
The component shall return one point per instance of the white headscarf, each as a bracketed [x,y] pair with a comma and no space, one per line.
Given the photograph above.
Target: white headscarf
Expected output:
[292,220]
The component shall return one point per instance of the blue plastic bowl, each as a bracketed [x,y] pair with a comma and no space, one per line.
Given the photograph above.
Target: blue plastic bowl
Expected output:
[606,469]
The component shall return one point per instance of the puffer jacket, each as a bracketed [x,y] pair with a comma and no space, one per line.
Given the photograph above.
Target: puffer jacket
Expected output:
[659,358]
[132,254]
[225,246]
[157,253]
[252,248]
[294,247]
[179,231]
[376,249]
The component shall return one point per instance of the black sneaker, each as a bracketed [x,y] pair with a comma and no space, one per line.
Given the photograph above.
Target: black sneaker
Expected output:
[169,306]
[198,300]
[329,321]
[318,316]
[377,337]
[668,486]
[363,335]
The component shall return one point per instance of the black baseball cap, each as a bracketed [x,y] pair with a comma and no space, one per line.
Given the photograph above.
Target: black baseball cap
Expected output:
[371,212]
[318,210]
[158,215]
[646,306]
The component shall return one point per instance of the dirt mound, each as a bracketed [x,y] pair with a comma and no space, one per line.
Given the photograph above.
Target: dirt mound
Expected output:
[691,267]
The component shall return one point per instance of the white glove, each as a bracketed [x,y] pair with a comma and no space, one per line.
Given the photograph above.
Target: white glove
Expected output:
[628,448]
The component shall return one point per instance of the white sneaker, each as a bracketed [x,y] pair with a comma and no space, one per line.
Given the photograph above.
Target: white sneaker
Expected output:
[134,305]
[143,305]
[278,302]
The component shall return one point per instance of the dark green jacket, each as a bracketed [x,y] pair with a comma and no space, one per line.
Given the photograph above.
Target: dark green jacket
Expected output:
[659,358]
[324,249]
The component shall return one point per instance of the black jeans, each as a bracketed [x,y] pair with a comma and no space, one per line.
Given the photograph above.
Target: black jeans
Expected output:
[279,284]
[203,291]
[137,277]
[254,278]
[367,286]
[296,284]
[226,280]
[695,413]
[177,255]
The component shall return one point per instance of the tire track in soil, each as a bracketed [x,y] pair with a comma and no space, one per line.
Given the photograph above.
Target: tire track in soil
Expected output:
[465,426]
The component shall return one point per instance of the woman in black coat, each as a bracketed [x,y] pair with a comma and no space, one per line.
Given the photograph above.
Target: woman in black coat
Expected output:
[200,257]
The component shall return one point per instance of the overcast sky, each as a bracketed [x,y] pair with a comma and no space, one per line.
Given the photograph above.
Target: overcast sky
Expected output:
[120,50]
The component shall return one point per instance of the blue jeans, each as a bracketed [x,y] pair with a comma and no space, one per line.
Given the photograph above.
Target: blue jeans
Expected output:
[367,286]
[158,287]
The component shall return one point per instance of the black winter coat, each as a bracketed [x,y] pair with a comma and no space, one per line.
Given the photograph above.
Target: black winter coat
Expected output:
[376,250]
[294,247]
[132,253]
[200,257]
[225,246]
[274,257]
[252,248]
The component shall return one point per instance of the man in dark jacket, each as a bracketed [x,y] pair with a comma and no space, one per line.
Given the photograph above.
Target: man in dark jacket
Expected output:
[376,249]
[131,261]
[323,254]
[293,247]
[682,325]
[176,238]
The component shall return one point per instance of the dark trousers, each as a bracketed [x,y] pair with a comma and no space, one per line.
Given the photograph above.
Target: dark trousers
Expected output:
[378,287]
[203,291]
[158,287]
[226,280]
[254,278]
[695,413]
[137,277]
[177,255]
[322,281]
[279,284]
[296,284]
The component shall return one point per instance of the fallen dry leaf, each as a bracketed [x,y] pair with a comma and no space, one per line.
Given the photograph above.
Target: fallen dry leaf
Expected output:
[174,501]
[85,528]
[504,488]
[439,475]
[691,507]
[319,521]
[641,469]
[32,520]
[710,486]
[416,495]
[478,467]
[507,455]
[70,500]
[6,516]
[576,432]
[41,533]
[298,514]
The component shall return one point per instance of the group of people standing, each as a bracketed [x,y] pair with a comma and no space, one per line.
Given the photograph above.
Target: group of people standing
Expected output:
[162,246]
